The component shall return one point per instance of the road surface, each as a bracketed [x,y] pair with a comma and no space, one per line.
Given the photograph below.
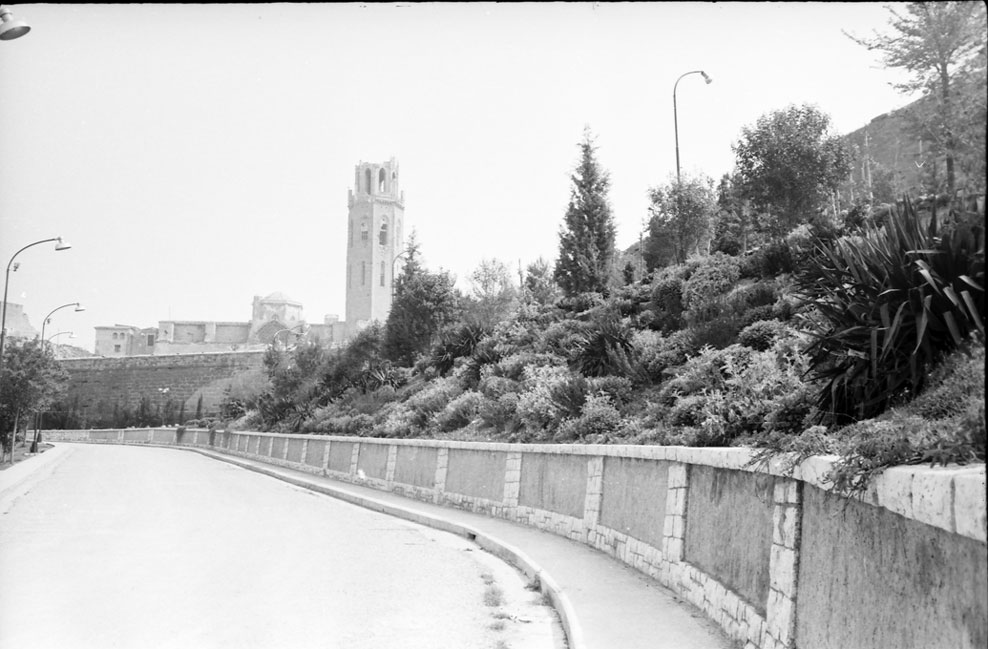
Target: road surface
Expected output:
[145,548]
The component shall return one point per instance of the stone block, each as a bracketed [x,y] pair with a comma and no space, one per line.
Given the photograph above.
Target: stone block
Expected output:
[969,504]
[676,476]
[932,497]
[782,570]
[785,526]
[786,492]
[894,490]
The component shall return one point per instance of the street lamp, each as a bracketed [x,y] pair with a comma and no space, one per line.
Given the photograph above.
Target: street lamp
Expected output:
[60,245]
[675,117]
[9,27]
[78,307]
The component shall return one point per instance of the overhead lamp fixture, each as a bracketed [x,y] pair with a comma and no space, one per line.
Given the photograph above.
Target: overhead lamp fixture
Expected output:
[62,245]
[11,28]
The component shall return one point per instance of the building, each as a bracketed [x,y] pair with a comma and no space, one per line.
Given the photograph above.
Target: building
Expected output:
[16,323]
[374,241]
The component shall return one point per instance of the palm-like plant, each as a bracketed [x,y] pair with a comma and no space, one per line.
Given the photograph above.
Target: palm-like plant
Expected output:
[892,301]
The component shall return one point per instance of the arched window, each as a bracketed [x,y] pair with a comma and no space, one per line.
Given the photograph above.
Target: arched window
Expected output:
[364,233]
[382,273]
[382,180]
[367,178]
[383,236]
[363,273]
[351,233]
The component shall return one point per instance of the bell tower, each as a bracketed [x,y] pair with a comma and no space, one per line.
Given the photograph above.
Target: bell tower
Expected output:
[374,238]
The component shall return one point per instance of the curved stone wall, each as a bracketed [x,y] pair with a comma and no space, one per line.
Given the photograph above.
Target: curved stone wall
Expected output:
[772,556]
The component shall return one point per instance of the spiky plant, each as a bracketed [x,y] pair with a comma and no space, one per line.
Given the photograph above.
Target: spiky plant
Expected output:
[891,302]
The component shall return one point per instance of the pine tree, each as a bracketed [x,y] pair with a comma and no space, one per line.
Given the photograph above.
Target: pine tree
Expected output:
[586,238]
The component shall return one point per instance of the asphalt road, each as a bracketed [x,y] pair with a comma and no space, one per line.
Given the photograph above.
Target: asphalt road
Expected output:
[145,548]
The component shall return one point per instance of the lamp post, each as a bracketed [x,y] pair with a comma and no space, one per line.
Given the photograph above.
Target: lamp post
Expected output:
[9,27]
[60,245]
[54,336]
[78,307]
[675,117]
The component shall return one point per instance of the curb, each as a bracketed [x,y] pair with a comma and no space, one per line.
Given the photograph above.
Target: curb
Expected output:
[502,550]
[21,478]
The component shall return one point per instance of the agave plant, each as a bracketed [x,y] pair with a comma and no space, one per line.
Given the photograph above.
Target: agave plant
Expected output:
[892,301]
[456,343]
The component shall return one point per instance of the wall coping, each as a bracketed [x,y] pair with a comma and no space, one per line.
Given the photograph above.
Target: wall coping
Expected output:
[952,497]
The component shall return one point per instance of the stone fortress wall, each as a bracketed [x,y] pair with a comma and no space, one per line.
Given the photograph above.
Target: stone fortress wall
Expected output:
[96,385]
[771,555]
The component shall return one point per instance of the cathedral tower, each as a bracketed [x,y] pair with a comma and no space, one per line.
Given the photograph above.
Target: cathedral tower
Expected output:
[374,239]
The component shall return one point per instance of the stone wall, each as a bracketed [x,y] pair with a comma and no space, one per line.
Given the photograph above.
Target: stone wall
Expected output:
[99,385]
[769,554]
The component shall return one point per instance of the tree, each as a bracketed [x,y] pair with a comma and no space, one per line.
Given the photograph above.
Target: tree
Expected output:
[938,43]
[424,303]
[539,285]
[789,164]
[31,381]
[680,216]
[492,293]
[733,228]
[586,238]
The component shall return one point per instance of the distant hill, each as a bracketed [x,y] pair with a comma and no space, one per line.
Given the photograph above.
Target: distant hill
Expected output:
[887,145]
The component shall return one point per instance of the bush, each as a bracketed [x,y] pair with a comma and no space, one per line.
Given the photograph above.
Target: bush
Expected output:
[761,335]
[536,408]
[598,418]
[456,343]
[667,304]
[603,348]
[617,388]
[460,412]
[716,275]
[892,302]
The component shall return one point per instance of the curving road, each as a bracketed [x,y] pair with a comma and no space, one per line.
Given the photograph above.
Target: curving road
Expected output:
[146,548]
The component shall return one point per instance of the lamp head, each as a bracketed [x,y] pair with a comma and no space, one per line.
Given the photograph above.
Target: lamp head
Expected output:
[10,28]
[79,307]
[62,245]
[706,77]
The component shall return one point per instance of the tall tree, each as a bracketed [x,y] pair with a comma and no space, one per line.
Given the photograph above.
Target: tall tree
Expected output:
[680,217]
[30,382]
[789,163]
[937,43]
[424,303]
[586,238]
[539,285]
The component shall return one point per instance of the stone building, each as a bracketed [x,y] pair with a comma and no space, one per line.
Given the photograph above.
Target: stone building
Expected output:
[17,323]
[374,240]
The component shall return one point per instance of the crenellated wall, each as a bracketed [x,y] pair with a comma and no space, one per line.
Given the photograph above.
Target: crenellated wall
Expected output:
[773,557]
[97,385]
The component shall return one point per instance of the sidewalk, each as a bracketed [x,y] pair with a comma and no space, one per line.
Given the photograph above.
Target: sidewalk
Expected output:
[603,603]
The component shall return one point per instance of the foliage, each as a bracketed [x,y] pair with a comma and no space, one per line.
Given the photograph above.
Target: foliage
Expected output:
[493,294]
[762,334]
[455,343]
[586,238]
[680,219]
[603,348]
[936,43]
[891,302]
[424,303]
[717,274]
[31,382]
[788,163]
[539,286]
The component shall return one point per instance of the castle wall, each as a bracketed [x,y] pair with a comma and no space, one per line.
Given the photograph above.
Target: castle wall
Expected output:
[97,386]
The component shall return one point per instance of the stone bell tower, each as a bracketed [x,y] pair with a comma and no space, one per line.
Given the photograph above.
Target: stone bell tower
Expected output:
[374,239]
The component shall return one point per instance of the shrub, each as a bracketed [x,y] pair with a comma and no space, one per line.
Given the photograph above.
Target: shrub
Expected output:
[892,301]
[598,418]
[716,275]
[460,411]
[617,388]
[501,412]
[667,304]
[603,349]
[536,408]
[761,335]
[456,343]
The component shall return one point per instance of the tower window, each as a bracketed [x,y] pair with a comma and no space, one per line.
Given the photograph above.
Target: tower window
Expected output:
[351,233]
[382,273]
[349,276]
[382,179]
[364,233]
[383,237]
[367,178]
[363,273]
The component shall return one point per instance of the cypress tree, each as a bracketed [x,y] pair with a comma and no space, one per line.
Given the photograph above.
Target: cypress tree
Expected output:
[586,238]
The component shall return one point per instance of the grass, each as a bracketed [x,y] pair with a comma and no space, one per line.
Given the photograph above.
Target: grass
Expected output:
[21,453]
[493,596]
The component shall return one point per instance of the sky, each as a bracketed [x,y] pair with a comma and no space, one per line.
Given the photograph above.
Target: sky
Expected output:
[197,155]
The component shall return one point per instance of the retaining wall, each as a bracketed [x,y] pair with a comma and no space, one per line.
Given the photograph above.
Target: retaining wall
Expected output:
[772,556]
